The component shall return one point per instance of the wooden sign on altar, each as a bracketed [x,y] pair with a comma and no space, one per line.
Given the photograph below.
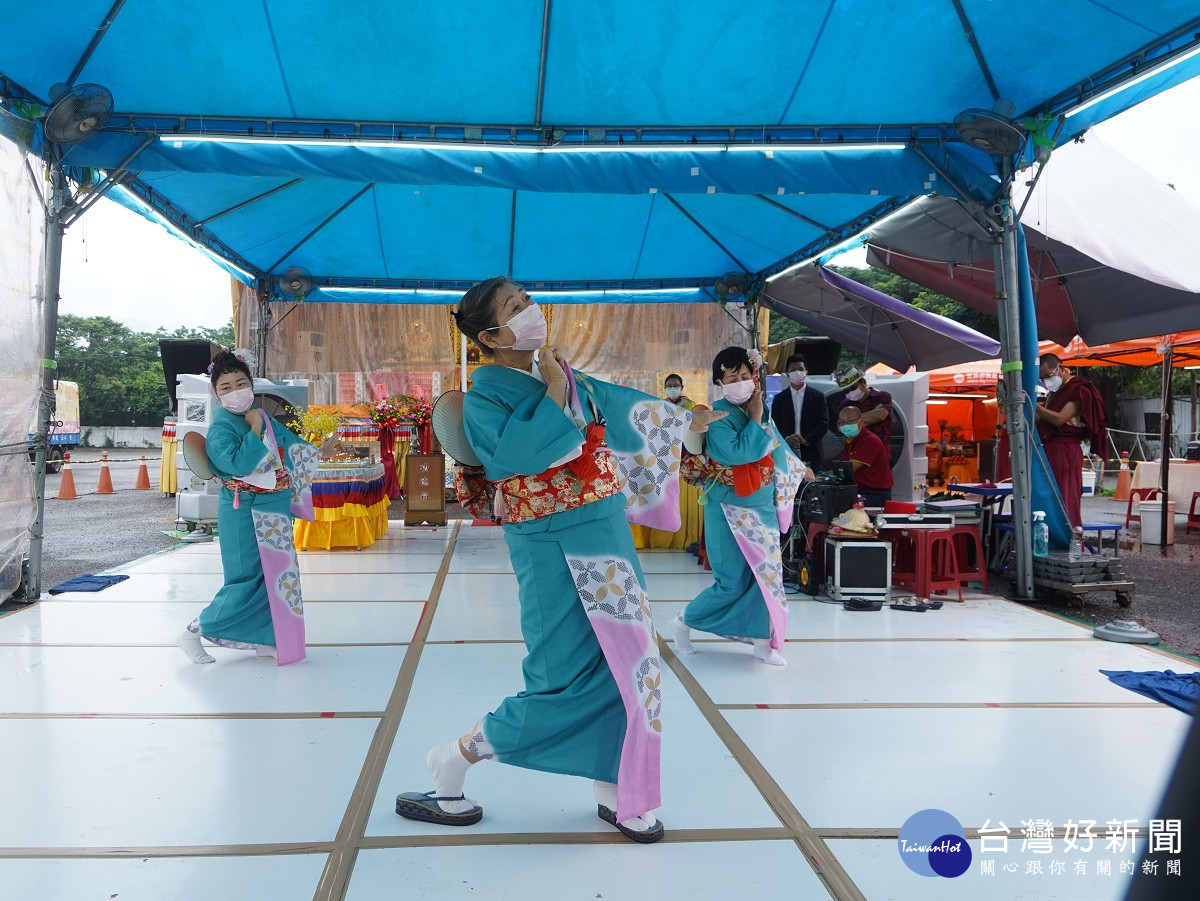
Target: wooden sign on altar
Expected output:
[425,490]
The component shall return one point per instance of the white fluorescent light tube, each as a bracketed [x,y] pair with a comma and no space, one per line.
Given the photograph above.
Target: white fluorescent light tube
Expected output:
[501,148]
[380,290]
[958,396]
[535,292]
[939,402]
[1125,85]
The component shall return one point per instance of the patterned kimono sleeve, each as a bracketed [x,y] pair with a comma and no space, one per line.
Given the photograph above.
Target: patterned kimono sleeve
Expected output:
[731,443]
[645,434]
[524,441]
[300,459]
[789,473]
[232,451]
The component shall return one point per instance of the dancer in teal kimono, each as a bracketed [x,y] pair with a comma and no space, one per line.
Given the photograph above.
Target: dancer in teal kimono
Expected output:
[266,473]
[570,460]
[752,477]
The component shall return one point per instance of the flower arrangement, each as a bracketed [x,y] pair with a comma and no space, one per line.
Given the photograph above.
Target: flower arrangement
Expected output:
[315,426]
[401,409]
[386,413]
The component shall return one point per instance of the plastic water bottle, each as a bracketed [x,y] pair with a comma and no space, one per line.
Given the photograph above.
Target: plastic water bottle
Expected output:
[1041,534]
[1077,543]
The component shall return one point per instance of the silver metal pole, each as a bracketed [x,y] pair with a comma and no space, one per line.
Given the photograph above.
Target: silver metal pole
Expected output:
[264,328]
[1167,424]
[1007,300]
[53,260]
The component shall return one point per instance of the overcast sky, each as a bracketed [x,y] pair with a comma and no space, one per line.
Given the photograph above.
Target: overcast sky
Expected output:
[115,263]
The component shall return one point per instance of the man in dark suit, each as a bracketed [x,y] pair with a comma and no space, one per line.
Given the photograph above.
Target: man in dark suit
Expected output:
[801,413]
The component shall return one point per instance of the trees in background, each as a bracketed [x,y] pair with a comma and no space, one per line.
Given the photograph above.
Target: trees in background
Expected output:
[119,372]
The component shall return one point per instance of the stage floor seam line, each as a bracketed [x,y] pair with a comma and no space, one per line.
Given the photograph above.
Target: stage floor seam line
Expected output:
[339,866]
[828,869]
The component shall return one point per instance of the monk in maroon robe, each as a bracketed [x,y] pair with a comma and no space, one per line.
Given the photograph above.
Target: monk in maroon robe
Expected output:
[1073,411]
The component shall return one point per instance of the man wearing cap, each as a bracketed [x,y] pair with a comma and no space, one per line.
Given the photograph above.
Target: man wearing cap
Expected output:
[872,466]
[875,406]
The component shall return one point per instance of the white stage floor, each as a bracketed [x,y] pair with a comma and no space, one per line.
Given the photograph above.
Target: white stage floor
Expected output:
[133,774]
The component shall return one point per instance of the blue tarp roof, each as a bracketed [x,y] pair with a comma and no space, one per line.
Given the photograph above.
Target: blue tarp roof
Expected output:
[576,145]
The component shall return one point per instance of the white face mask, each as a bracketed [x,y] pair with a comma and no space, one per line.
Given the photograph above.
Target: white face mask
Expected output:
[674,393]
[238,401]
[797,377]
[738,392]
[857,394]
[528,328]
[1053,383]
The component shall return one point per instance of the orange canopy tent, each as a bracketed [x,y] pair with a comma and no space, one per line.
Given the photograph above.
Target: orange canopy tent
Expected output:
[982,375]
[1184,347]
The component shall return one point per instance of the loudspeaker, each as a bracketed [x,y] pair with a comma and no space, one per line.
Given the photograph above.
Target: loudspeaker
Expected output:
[184,357]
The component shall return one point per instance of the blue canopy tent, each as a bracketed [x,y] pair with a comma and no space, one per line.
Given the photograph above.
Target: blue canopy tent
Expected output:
[575,146]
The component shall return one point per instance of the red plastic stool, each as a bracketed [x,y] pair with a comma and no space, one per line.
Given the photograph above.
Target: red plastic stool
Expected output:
[1136,495]
[934,563]
[968,544]
[943,573]
[1193,520]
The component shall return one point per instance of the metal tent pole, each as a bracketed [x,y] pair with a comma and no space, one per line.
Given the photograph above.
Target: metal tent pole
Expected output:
[1167,428]
[53,262]
[264,328]
[1007,303]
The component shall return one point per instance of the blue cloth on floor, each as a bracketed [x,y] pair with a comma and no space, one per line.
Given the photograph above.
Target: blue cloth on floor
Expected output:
[1179,690]
[87,583]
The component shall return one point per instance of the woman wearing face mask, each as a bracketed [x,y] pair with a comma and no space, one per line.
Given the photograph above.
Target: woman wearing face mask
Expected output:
[748,497]
[266,473]
[673,388]
[573,459]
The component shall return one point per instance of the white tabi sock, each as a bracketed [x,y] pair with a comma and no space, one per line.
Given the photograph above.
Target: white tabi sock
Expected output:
[683,636]
[449,770]
[764,652]
[266,650]
[606,793]
[189,643]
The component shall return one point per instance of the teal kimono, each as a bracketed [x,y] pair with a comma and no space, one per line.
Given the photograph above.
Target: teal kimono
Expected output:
[258,558]
[741,533]
[591,702]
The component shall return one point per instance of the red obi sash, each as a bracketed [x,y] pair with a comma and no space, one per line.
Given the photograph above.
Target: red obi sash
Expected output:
[744,478]
[282,483]
[591,476]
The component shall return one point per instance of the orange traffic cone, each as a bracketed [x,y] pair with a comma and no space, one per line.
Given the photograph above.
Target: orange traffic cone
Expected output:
[143,477]
[1124,479]
[66,484]
[105,485]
